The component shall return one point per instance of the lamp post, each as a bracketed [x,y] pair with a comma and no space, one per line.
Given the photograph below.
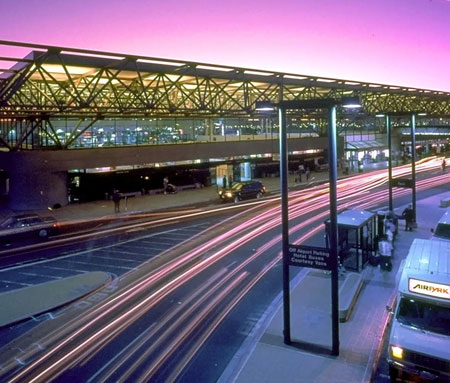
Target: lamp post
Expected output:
[330,104]
[389,137]
[413,163]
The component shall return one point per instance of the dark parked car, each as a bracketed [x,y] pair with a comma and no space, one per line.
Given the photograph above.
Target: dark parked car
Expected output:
[242,190]
[26,226]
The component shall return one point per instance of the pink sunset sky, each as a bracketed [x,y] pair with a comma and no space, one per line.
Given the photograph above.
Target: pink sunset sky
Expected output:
[398,42]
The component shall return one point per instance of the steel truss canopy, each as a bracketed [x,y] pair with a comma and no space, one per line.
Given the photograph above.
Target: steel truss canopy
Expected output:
[54,81]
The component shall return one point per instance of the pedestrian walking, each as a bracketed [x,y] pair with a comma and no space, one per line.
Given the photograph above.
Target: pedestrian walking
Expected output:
[408,216]
[116,200]
[444,164]
[224,182]
[165,184]
[307,173]
[300,171]
[230,180]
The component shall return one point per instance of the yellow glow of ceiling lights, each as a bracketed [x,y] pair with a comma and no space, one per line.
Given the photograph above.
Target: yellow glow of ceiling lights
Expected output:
[55,68]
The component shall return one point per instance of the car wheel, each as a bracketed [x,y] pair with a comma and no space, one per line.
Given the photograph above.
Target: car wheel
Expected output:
[259,195]
[236,199]
[43,233]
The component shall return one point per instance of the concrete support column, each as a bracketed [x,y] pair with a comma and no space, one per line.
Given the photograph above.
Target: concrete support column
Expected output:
[32,186]
[37,190]
[396,142]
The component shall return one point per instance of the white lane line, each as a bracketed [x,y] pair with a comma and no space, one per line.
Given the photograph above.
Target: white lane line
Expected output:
[157,243]
[47,276]
[175,235]
[88,251]
[100,265]
[114,258]
[63,269]
[15,282]
[118,355]
[114,251]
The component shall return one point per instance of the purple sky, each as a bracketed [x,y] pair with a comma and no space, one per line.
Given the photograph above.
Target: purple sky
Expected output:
[399,42]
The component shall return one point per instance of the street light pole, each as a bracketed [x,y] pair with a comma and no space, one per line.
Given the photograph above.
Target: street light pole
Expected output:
[413,163]
[284,223]
[332,162]
[389,137]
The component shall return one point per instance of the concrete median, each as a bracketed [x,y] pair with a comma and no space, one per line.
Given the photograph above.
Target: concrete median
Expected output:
[21,304]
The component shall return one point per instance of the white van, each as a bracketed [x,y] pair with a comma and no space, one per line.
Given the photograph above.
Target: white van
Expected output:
[442,230]
[419,342]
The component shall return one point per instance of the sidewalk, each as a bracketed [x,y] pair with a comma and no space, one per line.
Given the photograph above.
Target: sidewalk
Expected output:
[154,202]
[264,358]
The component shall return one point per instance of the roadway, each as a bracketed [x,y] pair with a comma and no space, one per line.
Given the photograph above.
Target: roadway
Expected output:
[185,295]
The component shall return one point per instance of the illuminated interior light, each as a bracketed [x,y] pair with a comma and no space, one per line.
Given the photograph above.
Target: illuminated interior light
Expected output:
[237,84]
[210,67]
[162,62]
[295,77]
[172,77]
[103,81]
[325,80]
[258,73]
[56,68]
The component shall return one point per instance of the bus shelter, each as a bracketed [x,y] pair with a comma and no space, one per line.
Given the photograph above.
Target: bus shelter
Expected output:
[356,239]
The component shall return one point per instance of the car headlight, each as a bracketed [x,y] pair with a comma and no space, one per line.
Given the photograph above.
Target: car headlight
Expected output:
[397,352]
[220,192]
[228,194]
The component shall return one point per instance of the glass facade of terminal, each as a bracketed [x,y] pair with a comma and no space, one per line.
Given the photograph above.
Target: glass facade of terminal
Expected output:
[74,133]
[155,131]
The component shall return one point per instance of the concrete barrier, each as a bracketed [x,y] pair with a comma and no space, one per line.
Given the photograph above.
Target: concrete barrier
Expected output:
[348,294]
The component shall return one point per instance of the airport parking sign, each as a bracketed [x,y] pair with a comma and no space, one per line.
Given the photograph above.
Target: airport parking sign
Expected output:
[309,256]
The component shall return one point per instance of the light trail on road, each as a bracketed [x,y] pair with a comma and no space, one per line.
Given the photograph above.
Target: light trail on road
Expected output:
[81,339]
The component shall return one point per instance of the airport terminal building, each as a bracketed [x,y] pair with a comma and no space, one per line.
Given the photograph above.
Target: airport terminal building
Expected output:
[75,123]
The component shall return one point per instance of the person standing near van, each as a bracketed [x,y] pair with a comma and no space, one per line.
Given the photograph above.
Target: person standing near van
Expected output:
[408,215]
[385,251]
[224,182]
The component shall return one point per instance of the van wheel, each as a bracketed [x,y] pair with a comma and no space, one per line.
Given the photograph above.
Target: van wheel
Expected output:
[259,195]
[236,199]
[43,234]
[393,374]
